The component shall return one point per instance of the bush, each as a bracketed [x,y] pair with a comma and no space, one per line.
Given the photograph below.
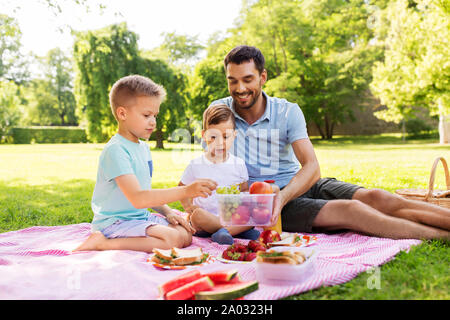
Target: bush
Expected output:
[417,127]
[48,135]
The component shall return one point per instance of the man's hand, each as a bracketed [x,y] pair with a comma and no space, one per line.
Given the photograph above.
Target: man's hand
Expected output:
[201,188]
[278,204]
[176,219]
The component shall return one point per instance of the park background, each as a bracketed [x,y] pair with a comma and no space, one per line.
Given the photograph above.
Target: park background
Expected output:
[371,77]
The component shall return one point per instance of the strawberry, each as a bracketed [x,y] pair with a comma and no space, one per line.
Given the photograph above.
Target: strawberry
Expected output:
[240,256]
[226,254]
[260,247]
[240,247]
[249,256]
[252,244]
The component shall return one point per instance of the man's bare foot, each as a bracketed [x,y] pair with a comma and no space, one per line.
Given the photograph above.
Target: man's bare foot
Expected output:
[93,242]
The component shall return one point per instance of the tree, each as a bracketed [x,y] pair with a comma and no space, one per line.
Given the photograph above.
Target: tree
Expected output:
[318,54]
[11,74]
[101,58]
[172,111]
[9,108]
[12,64]
[416,68]
[104,56]
[208,81]
[179,49]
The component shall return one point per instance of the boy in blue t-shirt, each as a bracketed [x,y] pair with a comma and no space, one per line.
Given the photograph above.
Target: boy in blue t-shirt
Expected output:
[123,191]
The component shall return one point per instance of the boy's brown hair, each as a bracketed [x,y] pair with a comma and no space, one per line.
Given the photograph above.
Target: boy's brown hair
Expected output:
[216,114]
[127,88]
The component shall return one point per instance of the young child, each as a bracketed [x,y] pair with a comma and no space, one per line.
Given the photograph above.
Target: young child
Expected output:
[221,166]
[123,191]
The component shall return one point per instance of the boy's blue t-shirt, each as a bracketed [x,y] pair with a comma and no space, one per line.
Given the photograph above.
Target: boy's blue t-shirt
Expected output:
[120,156]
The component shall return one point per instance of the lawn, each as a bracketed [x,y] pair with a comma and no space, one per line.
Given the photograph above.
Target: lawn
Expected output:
[53,184]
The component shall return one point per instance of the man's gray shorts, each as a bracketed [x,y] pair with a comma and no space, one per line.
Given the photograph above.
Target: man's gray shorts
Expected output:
[298,214]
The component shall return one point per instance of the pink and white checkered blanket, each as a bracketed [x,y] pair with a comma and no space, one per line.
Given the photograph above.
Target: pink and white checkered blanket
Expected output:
[37,263]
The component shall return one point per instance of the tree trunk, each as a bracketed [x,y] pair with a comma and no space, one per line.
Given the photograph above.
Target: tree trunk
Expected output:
[328,128]
[159,139]
[403,130]
[444,126]
[330,135]
[320,130]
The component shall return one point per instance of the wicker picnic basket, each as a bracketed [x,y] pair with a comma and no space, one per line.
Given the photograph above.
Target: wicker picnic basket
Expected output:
[438,197]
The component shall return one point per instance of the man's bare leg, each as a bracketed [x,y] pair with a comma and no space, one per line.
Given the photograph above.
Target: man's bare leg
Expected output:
[358,216]
[158,236]
[397,206]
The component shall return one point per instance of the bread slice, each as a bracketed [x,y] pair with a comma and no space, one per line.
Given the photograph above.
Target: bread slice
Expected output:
[165,254]
[186,256]
[162,256]
[177,256]
[289,241]
[280,257]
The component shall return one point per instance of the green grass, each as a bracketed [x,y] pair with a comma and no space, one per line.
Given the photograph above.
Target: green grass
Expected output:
[53,184]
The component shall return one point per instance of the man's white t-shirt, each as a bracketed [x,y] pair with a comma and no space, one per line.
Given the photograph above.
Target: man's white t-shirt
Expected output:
[232,171]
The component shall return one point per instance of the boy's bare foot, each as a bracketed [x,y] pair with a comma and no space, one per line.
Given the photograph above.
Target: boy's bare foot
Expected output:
[93,242]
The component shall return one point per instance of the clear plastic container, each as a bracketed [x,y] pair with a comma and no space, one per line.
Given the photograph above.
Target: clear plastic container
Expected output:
[245,209]
[275,273]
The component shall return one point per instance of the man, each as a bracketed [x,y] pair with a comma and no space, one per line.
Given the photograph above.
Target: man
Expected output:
[273,141]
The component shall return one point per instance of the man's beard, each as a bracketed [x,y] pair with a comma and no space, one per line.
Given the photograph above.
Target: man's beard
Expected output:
[254,98]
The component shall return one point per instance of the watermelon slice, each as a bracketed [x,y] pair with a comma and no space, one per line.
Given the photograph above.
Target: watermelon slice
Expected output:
[225,276]
[179,281]
[228,291]
[190,289]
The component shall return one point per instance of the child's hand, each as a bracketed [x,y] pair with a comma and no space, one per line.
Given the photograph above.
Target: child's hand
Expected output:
[176,219]
[201,188]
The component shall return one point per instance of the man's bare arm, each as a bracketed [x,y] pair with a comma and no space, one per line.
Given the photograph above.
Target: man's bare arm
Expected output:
[305,178]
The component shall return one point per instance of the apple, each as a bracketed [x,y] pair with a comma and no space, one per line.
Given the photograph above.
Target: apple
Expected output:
[261,215]
[260,187]
[268,236]
[241,215]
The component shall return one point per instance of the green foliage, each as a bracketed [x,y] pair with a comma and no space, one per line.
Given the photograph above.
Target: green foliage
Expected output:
[104,56]
[415,127]
[317,55]
[48,135]
[12,63]
[9,108]
[180,48]
[416,68]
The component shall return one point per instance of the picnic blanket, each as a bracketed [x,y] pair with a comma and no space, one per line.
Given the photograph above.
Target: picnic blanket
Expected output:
[37,263]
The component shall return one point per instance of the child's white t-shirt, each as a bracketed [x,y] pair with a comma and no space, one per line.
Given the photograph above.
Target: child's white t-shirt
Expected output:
[232,171]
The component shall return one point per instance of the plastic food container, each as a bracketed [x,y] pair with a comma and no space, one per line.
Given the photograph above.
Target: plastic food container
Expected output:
[245,209]
[274,273]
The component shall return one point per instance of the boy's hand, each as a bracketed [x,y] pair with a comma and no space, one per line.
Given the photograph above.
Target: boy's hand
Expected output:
[176,219]
[201,188]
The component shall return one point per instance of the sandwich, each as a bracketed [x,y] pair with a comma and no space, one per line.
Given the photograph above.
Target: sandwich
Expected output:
[179,257]
[289,241]
[280,257]
[162,256]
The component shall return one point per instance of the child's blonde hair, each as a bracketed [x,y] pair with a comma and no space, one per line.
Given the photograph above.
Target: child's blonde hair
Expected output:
[127,88]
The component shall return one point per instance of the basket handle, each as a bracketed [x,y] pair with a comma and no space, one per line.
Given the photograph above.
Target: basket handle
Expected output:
[433,174]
